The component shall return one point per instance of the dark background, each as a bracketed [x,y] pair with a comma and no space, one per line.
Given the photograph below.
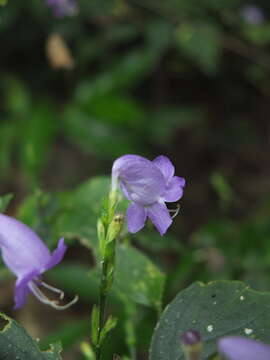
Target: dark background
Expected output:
[187,79]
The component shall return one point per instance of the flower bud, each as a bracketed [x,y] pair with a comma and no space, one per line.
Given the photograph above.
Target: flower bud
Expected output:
[115,227]
[101,236]
[191,343]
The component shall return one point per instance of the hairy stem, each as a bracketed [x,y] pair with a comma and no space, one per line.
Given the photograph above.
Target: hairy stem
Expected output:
[102,307]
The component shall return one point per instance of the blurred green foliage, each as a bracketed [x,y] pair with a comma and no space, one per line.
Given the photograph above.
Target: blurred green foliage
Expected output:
[185,78]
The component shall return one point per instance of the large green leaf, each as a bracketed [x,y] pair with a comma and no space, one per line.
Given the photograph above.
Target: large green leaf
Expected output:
[215,310]
[16,344]
[71,214]
[80,211]
[137,278]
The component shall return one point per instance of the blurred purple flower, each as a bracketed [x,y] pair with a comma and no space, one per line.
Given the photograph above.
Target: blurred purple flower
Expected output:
[240,347]
[148,185]
[27,257]
[252,15]
[62,8]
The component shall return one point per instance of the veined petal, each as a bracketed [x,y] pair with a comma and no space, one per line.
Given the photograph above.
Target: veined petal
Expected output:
[57,254]
[165,165]
[174,190]
[160,217]
[141,180]
[136,216]
[22,249]
[25,254]
[240,347]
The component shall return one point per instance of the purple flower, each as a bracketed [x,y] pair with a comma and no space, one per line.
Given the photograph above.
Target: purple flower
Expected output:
[253,15]
[240,347]
[148,185]
[28,258]
[62,8]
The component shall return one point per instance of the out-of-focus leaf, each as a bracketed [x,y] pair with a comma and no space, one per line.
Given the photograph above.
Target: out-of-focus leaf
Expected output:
[77,279]
[95,136]
[201,42]
[17,99]
[40,211]
[159,34]
[4,201]
[223,189]
[215,310]
[15,343]
[68,333]
[37,134]
[7,141]
[80,211]
[71,214]
[166,121]
[259,34]
[115,109]
[124,73]
[137,278]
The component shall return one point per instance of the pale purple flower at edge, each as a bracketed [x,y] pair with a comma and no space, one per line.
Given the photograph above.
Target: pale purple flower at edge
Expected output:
[243,348]
[62,8]
[25,254]
[148,185]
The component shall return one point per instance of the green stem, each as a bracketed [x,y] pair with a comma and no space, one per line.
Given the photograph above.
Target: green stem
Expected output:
[102,307]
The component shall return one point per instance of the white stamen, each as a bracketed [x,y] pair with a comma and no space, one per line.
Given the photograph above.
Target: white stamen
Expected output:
[43,298]
[52,288]
[175,211]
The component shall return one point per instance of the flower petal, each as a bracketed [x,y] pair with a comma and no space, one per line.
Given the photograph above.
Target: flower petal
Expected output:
[160,217]
[21,248]
[136,216]
[141,181]
[22,289]
[57,254]
[165,166]
[240,347]
[174,189]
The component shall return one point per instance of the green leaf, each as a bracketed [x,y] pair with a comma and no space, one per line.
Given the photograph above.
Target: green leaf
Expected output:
[70,214]
[109,325]
[69,333]
[137,278]
[77,279]
[96,135]
[36,137]
[7,141]
[201,42]
[4,201]
[15,343]
[124,73]
[17,99]
[215,310]
[80,211]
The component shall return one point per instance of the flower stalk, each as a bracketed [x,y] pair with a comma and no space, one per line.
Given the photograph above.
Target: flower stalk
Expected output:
[108,227]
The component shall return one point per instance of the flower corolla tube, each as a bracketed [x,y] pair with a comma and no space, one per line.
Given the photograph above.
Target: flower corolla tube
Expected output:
[240,347]
[148,185]
[25,254]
